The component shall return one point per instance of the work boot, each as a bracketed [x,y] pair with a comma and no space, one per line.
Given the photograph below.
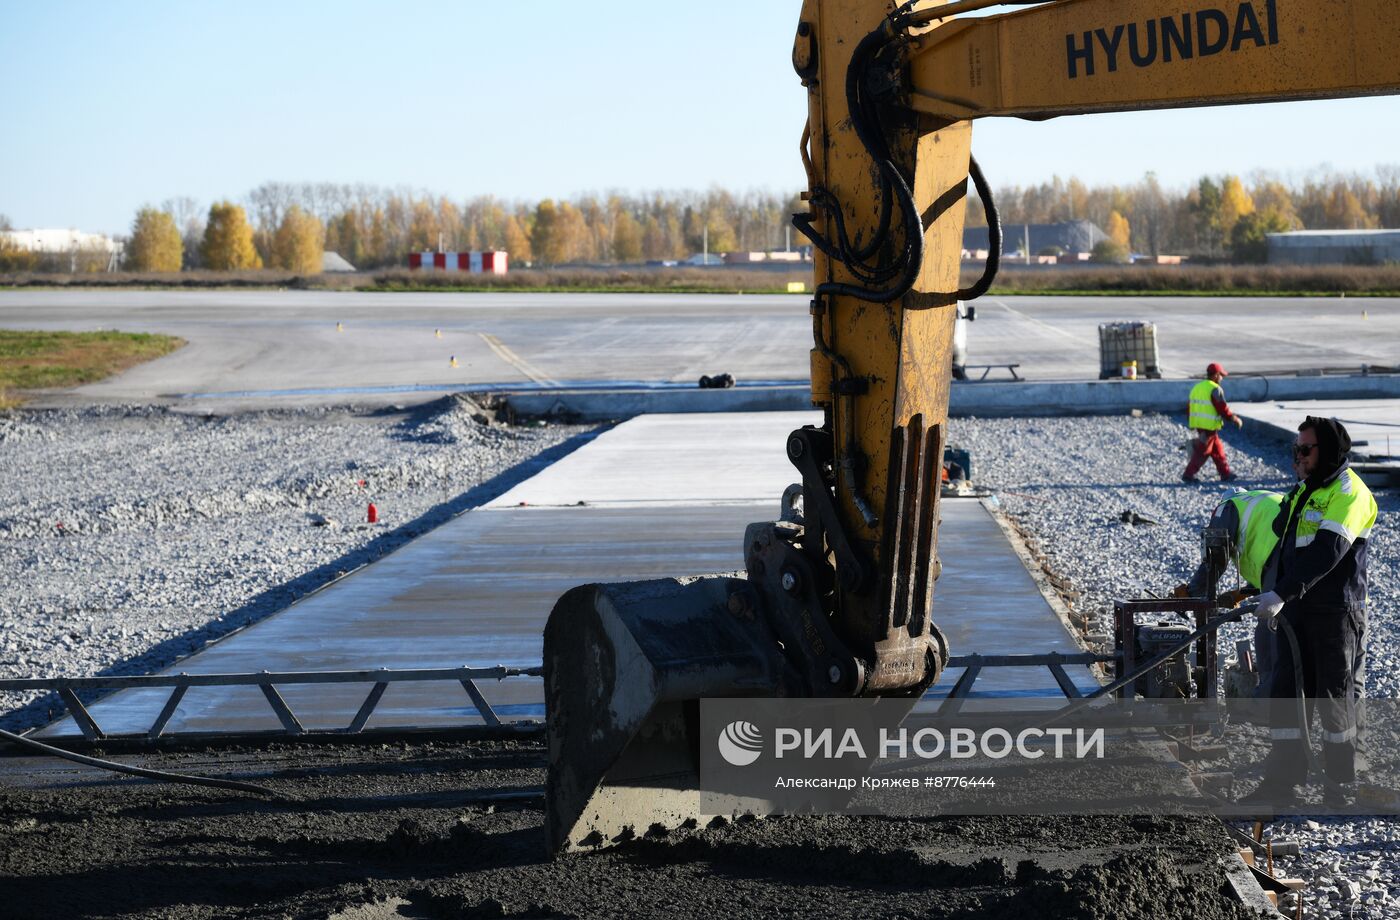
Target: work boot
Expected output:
[1271,793]
[1228,477]
[1337,796]
[1188,478]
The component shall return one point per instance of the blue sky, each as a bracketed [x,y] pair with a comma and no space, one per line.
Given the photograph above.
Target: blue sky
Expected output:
[112,105]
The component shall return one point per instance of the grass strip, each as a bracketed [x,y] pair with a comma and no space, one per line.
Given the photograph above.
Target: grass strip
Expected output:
[33,360]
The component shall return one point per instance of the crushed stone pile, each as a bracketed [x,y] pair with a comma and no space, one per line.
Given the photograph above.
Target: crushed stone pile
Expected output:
[134,535]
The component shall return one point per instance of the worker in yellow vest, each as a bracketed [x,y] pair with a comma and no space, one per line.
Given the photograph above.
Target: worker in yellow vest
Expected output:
[1208,414]
[1317,583]
[1248,519]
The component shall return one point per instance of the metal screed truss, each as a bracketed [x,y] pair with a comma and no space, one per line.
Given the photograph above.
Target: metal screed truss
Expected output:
[268,682]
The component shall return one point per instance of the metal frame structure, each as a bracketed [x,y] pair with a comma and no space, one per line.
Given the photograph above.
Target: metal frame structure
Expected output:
[267,681]
[1054,661]
[1125,624]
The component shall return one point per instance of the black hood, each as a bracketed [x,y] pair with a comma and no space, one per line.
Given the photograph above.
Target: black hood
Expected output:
[1333,446]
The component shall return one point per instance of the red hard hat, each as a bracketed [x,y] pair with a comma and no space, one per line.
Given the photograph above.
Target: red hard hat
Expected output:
[1213,368]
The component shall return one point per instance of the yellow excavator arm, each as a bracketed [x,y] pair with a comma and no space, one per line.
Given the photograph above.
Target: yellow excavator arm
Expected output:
[893,91]
[1081,56]
[838,597]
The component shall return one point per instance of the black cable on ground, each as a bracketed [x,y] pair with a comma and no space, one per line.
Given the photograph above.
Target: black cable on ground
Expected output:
[161,775]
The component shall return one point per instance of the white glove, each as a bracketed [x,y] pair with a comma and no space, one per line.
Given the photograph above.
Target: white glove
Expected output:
[1267,606]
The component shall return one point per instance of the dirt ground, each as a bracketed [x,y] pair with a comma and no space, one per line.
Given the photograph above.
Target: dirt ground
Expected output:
[456,830]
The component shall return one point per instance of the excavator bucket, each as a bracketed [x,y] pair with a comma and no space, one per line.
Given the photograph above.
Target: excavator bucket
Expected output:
[625,666]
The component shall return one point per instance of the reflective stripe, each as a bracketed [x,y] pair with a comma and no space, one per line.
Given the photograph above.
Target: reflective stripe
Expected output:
[1339,737]
[1338,528]
[1286,734]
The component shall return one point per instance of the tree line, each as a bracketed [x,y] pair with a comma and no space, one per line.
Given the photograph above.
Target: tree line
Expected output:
[372,227]
[1217,218]
[289,225]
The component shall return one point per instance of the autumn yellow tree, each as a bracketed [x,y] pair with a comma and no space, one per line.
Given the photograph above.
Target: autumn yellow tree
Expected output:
[544,238]
[1345,211]
[228,239]
[1272,195]
[155,244]
[627,238]
[1119,230]
[1235,203]
[654,239]
[517,241]
[571,235]
[299,243]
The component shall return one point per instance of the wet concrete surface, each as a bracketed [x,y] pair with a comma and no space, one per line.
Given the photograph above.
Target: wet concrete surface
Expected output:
[1373,421]
[476,593]
[673,459]
[398,830]
[644,500]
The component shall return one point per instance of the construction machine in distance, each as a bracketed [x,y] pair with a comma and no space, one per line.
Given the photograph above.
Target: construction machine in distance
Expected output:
[838,595]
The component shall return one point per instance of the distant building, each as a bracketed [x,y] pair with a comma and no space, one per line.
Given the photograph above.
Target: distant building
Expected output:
[705,258]
[335,262]
[1334,247]
[745,258]
[1069,237]
[477,263]
[63,241]
[68,250]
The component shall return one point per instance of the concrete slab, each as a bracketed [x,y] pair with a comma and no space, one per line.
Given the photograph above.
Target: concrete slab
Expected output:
[1375,421]
[477,591]
[664,496]
[673,459]
[987,400]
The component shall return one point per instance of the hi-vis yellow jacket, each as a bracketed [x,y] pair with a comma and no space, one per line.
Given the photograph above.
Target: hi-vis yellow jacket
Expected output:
[1204,415]
[1322,550]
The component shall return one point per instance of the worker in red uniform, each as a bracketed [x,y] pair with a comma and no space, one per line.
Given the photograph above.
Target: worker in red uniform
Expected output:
[1208,414]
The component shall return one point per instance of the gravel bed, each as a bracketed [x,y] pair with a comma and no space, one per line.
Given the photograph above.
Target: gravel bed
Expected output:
[132,536]
[1067,483]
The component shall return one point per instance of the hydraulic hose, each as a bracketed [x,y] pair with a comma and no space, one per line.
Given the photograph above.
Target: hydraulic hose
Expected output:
[989,273]
[1301,696]
[886,283]
[162,775]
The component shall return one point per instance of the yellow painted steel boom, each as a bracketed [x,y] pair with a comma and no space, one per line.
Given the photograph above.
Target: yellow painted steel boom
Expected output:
[838,599]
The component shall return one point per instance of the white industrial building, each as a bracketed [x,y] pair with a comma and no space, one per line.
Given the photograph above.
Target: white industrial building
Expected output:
[1334,247]
[61,241]
[68,250]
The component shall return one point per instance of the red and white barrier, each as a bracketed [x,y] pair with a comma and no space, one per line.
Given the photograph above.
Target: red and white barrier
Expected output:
[477,263]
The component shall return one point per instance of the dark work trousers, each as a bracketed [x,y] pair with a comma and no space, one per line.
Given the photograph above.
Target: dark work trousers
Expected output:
[1330,646]
[1207,444]
[1266,642]
[1265,656]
